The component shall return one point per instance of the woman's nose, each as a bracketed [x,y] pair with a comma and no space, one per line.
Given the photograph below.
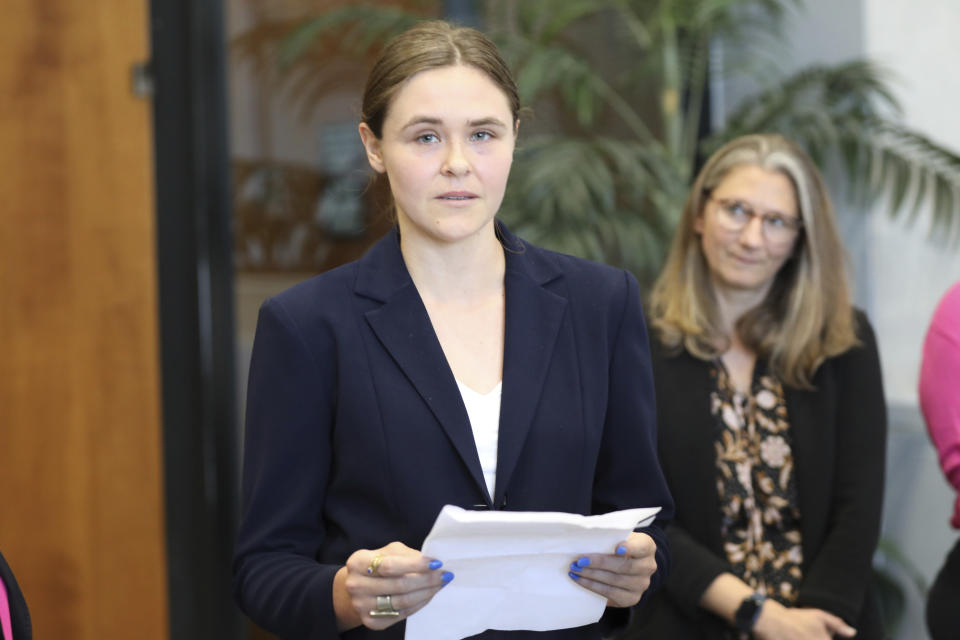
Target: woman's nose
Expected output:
[455,162]
[752,233]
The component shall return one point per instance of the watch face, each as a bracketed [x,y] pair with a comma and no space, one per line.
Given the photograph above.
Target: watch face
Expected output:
[746,615]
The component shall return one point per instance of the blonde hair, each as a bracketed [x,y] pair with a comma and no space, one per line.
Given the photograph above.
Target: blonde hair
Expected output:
[806,316]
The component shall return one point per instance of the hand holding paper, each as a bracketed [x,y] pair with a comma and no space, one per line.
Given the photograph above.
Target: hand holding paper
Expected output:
[379,587]
[512,570]
[623,577]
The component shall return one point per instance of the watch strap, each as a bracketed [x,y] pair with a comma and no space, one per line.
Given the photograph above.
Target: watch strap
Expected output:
[747,613]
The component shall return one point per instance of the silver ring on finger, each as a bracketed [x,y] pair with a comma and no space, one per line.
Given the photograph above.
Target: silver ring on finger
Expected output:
[384,608]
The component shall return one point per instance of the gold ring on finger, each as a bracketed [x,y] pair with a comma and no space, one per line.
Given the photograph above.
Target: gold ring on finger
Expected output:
[374,568]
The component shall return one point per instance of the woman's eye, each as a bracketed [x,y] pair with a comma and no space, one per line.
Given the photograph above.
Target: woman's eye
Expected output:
[738,209]
[776,222]
[427,138]
[481,135]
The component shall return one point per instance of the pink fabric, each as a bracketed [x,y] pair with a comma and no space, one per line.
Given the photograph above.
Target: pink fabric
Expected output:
[5,623]
[940,388]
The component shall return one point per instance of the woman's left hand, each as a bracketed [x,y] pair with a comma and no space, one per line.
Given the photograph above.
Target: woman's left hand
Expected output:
[621,577]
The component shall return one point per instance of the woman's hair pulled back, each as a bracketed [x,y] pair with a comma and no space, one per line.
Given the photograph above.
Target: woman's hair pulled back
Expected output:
[431,45]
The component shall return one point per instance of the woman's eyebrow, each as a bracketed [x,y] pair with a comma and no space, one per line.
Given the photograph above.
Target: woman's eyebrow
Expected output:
[415,120]
[433,120]
[486,122]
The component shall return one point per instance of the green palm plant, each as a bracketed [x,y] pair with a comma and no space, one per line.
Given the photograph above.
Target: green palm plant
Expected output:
[617,131]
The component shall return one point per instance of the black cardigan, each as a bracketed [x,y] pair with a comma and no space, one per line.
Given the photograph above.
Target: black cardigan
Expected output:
[839,433]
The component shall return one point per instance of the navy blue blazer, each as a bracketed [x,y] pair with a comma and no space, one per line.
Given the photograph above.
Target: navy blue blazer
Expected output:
[356,434]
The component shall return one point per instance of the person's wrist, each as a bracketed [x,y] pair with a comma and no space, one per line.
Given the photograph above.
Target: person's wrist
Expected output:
[748,613]
[347,617]
[766,624]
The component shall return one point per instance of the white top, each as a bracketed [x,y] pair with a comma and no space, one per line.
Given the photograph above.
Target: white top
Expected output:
[484,413]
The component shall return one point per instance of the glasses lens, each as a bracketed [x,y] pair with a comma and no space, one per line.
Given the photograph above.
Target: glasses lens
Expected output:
[734,216]
[776,232]
[731,214]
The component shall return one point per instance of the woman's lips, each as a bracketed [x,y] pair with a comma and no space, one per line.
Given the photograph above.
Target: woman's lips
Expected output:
[457,196]
[744,260]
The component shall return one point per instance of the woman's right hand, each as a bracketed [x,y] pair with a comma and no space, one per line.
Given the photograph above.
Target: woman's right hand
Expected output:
[404,574]
[777,622]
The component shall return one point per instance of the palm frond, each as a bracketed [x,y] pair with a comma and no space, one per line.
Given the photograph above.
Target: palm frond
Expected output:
[602,198]
[311,55]
[902,159]
[858,87]
[744,16]
[635,25]
[849,110]
[552,173]
[355,29]
[563,15]
[610,179]
[545,69]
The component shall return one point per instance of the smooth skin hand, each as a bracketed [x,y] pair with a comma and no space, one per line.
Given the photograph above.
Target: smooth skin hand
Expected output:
[405,574]
[777,622]
[621,577]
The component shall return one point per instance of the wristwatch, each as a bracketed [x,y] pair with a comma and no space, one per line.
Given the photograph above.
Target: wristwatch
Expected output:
[748,612]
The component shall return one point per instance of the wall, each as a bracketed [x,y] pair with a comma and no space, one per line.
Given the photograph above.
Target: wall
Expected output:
[921,271]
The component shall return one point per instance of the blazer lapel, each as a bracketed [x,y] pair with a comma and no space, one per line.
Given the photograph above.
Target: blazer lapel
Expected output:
[533,319]
[404,329]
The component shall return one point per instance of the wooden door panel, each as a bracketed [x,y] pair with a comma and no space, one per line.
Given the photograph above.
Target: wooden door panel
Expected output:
[80,444]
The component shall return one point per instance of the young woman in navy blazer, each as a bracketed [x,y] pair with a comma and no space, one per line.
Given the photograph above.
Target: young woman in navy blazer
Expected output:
[356,431]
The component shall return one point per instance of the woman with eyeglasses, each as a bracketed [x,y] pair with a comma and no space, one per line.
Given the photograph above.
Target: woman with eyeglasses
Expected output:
[771,410]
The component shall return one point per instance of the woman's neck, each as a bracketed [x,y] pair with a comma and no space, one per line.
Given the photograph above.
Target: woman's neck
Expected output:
[732,304]
[738,358]
[471,268]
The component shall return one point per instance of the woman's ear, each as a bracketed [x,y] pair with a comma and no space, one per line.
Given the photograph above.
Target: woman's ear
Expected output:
[372,145]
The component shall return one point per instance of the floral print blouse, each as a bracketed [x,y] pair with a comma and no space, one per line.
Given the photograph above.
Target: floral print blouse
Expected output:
[757,487]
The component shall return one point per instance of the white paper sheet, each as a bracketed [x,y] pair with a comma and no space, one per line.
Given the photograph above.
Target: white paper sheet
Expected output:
[510,570]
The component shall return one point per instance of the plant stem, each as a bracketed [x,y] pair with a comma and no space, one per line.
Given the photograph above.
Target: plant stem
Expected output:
[639,31]
[625,111]
[696,91]
[672,81]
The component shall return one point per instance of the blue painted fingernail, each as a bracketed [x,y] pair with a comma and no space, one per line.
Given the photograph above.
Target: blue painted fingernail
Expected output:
[583,562]
[621,550]
[574,566]
[435,564]
[446,577]
[573,575]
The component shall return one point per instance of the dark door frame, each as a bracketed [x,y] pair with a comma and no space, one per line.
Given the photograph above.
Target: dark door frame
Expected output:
[194,253]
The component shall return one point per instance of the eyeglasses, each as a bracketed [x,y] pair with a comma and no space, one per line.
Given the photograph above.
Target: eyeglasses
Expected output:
[777,227]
